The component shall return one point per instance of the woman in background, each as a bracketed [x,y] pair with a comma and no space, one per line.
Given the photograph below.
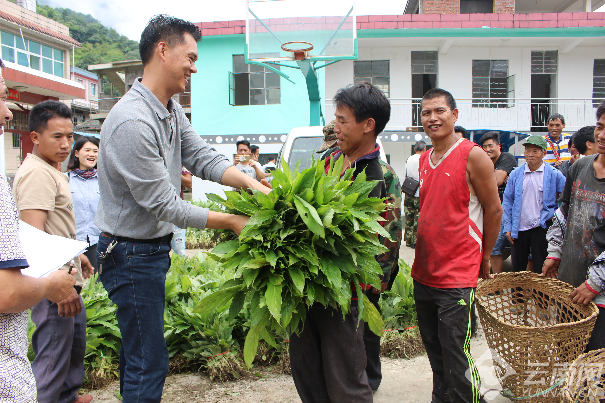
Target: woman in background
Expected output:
[84,185]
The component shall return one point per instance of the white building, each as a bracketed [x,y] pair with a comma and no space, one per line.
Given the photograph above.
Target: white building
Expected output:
[509,64]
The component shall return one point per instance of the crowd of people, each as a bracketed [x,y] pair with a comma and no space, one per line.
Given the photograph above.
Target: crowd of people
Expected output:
[123,195]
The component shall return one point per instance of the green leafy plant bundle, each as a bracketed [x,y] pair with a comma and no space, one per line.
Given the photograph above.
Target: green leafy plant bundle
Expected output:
[398,305]
[313,239]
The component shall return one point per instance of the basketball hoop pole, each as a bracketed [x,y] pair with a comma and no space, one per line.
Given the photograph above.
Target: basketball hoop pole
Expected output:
[316,117]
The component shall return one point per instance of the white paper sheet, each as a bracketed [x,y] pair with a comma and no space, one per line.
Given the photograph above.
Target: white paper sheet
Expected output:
[46,253]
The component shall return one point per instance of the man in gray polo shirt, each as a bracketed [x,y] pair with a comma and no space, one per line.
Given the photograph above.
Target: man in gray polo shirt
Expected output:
[144,142]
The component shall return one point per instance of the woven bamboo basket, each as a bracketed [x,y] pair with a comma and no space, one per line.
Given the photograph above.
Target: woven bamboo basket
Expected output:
[585,381]
[533,331]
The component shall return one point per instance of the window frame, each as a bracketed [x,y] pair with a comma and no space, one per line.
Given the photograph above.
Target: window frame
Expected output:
[598,97]
[257,93]
[494,81]
[57,65]
[374,78]
[16,140]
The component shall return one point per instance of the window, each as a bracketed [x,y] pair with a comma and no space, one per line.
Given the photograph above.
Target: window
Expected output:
[18,122]
[424,62]
[16,140]
[375,72]
[544,62]
[476,6]
[598,82]
[250,84]
[31,54]
[490,83]
[93,89]
[80,82]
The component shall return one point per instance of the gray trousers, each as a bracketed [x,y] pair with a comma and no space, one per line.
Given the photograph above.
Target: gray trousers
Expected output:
[328,359]
[59,344]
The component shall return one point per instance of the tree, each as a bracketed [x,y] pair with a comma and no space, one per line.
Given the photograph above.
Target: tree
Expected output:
[99,43]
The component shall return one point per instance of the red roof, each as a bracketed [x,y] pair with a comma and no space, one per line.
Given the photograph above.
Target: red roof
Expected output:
[39,28]
[532,20]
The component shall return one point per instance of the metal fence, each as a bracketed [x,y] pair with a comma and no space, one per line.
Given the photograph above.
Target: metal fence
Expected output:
[514,114]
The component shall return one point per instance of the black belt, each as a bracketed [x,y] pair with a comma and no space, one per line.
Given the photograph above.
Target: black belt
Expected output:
[162,239]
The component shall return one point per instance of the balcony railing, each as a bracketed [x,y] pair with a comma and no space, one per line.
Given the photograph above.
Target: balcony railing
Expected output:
[105,104]
[513,114]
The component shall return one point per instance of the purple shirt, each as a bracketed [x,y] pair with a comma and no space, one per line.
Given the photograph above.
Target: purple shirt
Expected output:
[531,201]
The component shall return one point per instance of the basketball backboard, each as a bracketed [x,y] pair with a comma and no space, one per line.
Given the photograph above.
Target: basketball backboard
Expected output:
[314,30]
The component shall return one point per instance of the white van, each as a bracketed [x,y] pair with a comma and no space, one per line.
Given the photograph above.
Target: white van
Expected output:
[301,145]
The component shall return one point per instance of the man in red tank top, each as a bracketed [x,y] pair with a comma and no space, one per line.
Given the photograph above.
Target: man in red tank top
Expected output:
[460,215]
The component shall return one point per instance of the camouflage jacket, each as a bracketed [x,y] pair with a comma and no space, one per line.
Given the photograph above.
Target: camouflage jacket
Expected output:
[393,224]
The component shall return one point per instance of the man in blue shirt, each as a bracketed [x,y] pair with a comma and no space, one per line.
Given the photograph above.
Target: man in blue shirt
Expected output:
[529,204]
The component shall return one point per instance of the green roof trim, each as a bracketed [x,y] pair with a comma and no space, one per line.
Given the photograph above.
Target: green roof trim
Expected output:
[570,32]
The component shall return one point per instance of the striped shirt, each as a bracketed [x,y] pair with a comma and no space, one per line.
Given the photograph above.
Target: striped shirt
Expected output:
[561,147]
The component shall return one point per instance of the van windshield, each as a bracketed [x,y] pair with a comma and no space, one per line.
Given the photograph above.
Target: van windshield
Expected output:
[304,150]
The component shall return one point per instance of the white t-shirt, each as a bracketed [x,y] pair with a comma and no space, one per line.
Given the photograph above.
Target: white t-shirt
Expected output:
[411,169]
[268,165]
[247,169]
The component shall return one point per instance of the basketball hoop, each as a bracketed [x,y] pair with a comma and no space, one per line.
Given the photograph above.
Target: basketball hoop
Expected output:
[300,53]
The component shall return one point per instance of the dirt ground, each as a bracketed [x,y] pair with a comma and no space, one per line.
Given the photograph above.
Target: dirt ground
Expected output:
[403,380]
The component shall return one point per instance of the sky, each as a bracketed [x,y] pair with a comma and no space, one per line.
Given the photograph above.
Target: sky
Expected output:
[129,17]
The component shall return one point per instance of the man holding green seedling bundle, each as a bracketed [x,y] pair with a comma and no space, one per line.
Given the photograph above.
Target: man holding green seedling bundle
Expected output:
[388,261]
[328,358]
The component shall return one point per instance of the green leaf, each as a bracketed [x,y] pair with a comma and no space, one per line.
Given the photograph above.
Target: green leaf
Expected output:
[245,207]
[251,345]
[185,283]
[372,317]
[332,272]
[212,302]
[304,181]
[310,293]
[252,338]
[298,278]
[261,217]
[271,257]
[359,214]
[249,276]
[287,172]
[225,247]
[336,167]
[273,298]
[264,333]
[286,312]
[215,198]
[377,228]
[236,305]
[304,252]
[280,179]
[309,216]
[319,191]
[265,201]
[360,301]
[255,263]
[327,218]
[350,199]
